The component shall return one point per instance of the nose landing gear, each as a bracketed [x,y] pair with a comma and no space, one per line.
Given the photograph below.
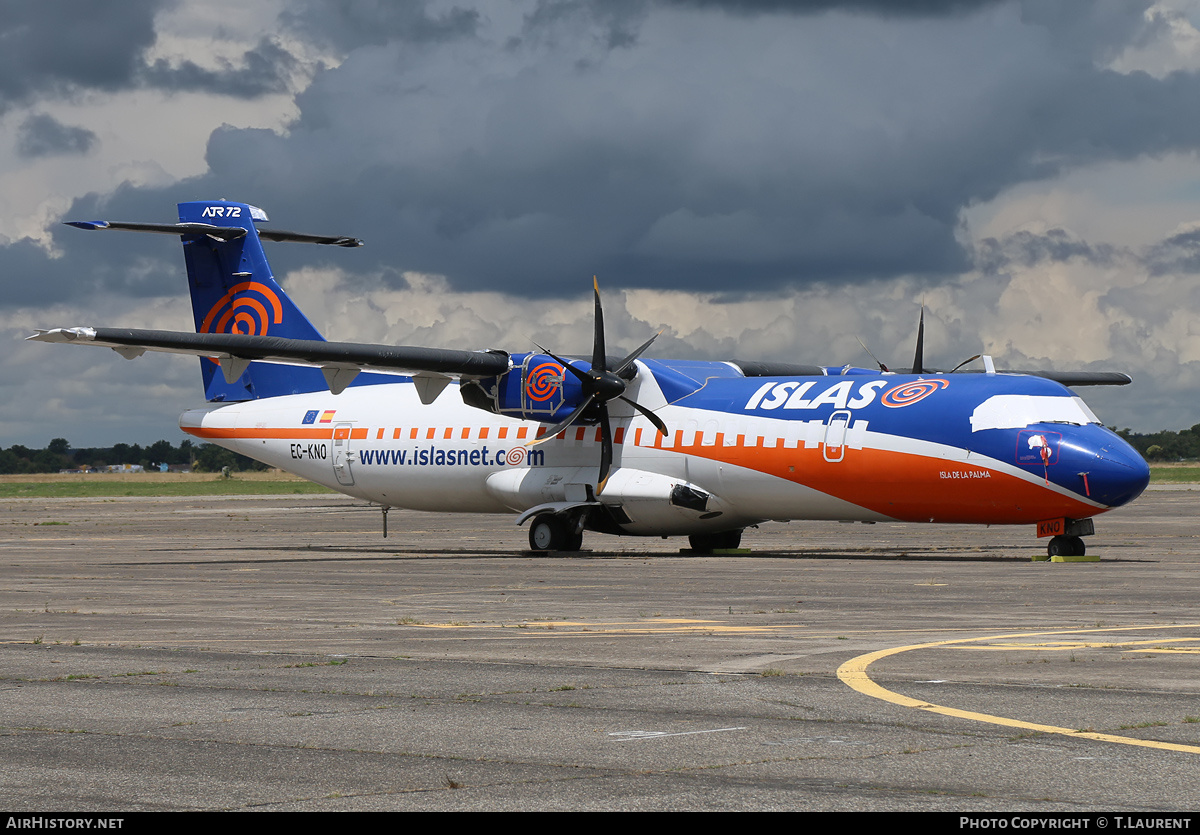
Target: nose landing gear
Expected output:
[1066,546]
[1066,537]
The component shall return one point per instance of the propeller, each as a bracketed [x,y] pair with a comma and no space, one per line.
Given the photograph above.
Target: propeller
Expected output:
[918,366]
[600,386]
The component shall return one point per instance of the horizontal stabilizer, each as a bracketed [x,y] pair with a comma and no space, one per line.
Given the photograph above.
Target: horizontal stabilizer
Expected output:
[301,238]
[221,233]
[321,354]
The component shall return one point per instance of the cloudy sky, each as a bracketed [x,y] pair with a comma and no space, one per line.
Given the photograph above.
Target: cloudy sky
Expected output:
[762,179]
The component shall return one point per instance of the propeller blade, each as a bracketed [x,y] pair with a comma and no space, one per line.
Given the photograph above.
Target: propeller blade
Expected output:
[598,361]
[606,449]
[964,362]
[650,416]
[580,375]
[919,357]
[550,433]
[882,367]
[628,361]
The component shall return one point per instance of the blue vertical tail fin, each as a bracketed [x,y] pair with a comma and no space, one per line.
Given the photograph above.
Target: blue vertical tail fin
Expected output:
[233,291]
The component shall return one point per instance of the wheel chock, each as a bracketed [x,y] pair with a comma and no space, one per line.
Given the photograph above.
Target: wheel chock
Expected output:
[1084,558]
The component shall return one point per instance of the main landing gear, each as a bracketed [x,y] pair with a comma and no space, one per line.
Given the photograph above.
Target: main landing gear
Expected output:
[559,532]
[551,532]
[706,543]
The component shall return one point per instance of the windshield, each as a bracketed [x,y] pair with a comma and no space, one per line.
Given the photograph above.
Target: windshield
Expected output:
[1014,411]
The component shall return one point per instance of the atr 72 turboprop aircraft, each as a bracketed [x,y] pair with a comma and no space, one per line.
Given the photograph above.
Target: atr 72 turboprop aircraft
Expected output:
[635,446]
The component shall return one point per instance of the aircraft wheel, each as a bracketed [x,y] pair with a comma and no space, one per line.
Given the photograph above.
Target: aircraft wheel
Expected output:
[574,542]
[548,533]
[706,543]
[1066,546]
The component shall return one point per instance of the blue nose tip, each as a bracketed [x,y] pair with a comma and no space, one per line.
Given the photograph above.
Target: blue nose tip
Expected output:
[1119,473]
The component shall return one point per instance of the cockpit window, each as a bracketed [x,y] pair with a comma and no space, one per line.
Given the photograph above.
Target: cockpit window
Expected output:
[1015,411]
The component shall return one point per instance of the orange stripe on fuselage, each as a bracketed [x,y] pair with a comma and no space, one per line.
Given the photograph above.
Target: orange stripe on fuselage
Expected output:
[269,432]
[907,486]
[281,434]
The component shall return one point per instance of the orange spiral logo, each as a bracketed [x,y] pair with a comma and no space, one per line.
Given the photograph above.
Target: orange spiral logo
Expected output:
[515,456]
[248,308]
[909,393]
[543,381]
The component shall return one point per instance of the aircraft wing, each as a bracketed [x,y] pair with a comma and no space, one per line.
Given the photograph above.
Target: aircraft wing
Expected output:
[340,361]
[1081,378]
[1066,378]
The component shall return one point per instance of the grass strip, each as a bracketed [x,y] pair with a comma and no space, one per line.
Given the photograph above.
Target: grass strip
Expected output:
[100,488]
[1174,475]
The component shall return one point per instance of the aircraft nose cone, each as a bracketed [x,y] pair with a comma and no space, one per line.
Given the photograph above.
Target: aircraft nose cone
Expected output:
[1119,473]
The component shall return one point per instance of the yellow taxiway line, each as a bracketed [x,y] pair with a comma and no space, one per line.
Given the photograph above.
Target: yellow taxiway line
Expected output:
[854,674]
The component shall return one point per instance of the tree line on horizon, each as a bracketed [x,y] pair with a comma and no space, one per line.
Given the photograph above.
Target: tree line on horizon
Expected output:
[1166,445]
[60,455]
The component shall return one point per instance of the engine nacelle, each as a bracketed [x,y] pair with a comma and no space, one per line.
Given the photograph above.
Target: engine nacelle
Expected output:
[537,388]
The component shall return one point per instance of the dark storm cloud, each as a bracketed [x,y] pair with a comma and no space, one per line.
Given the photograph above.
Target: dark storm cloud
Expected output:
[346,26]
[614,23]
[618,20]
[711,151]
[1026,249]
[885,8]
[1176,255]
[42,135]
[1179,253]
[752,150]
[57,48]
[89,264]
[32,278]
[1086,31]
[266,69]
